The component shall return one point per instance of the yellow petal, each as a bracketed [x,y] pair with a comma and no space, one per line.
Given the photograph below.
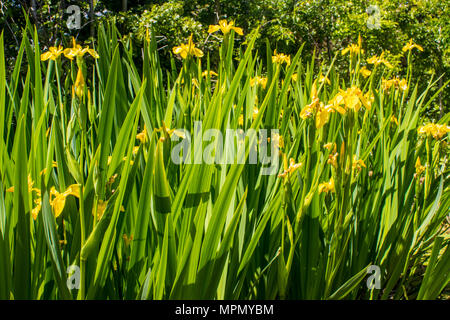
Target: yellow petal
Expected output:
[198,52]
[177,50]
[69,53]
[73,190]
[213,28]
[93,53]
[183,54]
[238,30]
[58,205]
[45,56]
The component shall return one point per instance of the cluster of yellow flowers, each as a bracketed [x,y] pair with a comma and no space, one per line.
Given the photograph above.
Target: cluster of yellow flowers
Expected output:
[76,51]
[435,130]
[351,99]
[396,83]
[57,199]
[345,100]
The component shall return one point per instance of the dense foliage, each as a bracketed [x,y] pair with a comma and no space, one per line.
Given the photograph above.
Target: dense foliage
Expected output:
[323,26]
[95,202]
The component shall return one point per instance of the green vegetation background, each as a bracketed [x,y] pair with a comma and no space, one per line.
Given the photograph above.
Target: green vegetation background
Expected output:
[325,26]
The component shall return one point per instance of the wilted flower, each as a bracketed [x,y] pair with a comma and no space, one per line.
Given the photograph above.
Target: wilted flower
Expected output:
[394,120]
[332,158]
[127,239]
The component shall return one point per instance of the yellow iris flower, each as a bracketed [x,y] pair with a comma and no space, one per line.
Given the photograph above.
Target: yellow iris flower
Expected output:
[189,49]
[354,49]
[58,200]
[259,81]
[317,108]
[396,83]
[78,51]
[142,136]
[327,186]
[411,45]
[281,58]
[289,169]
[225,27]
[53,53]
[350,99]
[365,72]
[358,164]
[436,130]
[30,186]
[376,60]
[211,74]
